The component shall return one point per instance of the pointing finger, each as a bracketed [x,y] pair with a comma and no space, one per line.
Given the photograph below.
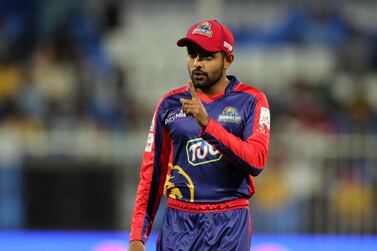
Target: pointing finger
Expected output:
[184,101]
[192,89]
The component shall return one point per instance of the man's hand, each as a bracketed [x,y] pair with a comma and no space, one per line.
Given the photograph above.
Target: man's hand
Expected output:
[136,246]
[194,107]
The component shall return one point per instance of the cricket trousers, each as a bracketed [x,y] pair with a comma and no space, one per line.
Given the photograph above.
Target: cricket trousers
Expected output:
[205,227]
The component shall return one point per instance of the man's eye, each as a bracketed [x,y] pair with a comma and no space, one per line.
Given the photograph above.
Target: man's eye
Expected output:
[193,54]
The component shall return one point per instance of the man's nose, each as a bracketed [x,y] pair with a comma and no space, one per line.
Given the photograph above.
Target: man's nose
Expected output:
[198,62]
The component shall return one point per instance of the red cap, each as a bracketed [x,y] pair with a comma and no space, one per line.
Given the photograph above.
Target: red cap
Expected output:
[210,35]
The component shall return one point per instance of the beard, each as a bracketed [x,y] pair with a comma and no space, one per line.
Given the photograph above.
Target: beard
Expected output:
[203,80]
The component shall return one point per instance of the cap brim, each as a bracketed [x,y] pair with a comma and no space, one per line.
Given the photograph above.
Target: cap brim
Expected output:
[205,46]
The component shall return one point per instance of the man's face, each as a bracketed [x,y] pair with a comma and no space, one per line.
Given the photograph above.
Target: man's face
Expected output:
[205,68]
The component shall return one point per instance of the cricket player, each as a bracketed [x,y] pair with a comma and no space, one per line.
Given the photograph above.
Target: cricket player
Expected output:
[206,142]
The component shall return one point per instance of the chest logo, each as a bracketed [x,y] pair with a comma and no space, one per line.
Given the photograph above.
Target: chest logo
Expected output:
[199,152]
[230,114]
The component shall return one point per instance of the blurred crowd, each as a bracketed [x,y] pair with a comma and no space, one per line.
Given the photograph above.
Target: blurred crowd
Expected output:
[53,69]
[55,74]
[321,174]
[345,102]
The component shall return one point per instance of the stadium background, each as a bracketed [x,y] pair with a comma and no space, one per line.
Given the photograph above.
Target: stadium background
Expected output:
[79,81]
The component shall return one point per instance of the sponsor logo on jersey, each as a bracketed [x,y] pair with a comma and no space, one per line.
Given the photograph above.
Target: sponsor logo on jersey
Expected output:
[199,152]
[264,120]
[172,116]
[178,184]
[229,114]
[203,28]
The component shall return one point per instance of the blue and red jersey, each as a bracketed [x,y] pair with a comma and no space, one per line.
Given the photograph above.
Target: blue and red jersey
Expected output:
[207,167]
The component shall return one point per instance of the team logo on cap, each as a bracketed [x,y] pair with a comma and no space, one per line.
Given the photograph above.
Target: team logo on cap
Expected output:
[229,114]
[203,28]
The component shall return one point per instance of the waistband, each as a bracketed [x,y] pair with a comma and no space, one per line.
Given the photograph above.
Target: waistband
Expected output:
[208,207]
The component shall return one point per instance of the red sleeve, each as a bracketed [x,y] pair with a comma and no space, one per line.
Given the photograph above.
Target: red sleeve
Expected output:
[249,153]
[152,178]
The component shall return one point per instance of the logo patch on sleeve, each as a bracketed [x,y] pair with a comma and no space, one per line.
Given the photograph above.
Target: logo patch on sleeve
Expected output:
[150,140]
[264,120]
[151,128]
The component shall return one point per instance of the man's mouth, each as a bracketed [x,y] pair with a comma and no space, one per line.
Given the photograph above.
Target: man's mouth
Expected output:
[198,75]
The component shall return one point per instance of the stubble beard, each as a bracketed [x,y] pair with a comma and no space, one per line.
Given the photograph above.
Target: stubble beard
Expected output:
[205,82]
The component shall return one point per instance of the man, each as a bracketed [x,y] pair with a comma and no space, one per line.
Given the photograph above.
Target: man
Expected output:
[205,143]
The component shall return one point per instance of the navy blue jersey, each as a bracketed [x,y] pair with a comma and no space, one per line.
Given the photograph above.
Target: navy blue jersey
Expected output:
[215,165]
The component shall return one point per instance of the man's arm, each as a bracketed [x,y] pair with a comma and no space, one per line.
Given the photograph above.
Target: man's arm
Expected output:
[152,178]
[251,152]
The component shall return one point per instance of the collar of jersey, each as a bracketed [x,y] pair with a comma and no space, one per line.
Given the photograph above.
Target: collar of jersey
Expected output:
[232,84]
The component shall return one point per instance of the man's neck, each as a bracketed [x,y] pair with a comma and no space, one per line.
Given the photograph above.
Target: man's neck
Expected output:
[217,88]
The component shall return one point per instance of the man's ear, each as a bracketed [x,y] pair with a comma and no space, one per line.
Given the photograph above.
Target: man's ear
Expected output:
[228,59]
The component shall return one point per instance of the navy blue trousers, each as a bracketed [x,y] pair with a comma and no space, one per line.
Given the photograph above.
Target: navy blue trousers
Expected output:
[205,231]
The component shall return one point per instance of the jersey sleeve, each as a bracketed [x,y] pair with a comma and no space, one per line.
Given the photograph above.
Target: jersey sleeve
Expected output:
[250,153]
[152,178]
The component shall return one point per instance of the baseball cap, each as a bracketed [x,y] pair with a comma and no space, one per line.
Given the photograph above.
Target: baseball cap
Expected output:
[211,35]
